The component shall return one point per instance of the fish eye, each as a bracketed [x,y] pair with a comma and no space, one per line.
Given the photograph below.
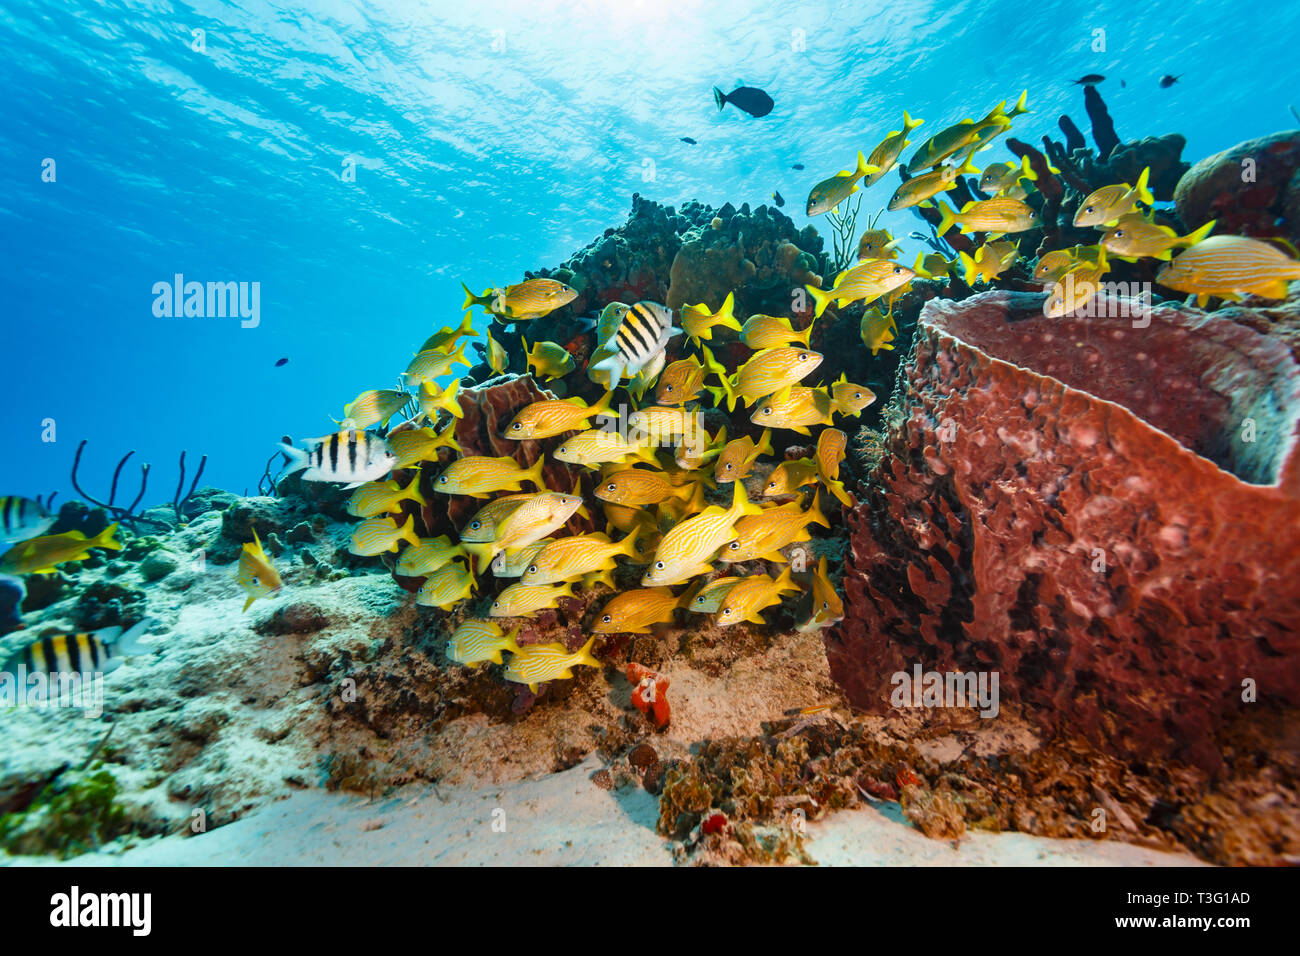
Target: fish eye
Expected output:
[532,569]
[1087,209]
[768,410]
[517,426]
[1118,233]
[659,565]
[735,546]
[898,270]
[496,603]
[256,579]
[442,480]
[475,525]
[668,388]
[563,449]
[803,356]
[826,604]
[728,466]
[607,619]
[611,486]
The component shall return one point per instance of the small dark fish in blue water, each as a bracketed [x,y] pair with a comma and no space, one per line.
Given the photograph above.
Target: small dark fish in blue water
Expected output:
[798,166]
[1090,80]
[282,363]
[687,139]
[776,198]
[1168,80]
[748,98]
[1122,84]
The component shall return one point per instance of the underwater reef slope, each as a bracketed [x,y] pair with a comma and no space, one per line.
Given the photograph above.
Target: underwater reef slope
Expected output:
[1105,512]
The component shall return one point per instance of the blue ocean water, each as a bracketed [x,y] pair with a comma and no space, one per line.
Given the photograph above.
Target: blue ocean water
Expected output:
[358,160]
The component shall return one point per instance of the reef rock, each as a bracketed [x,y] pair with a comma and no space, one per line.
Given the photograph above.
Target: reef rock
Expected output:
[1105,513]
[1256,198]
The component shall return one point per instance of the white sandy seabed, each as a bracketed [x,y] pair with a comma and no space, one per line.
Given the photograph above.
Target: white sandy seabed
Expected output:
[229,713]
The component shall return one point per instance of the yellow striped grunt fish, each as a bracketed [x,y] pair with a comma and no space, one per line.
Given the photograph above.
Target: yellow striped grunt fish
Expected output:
[375,536]
[640,339]
[660,424]
[850,399]
[877,244]
[831,447]
[696,454]
[639,487]
[770,372]
[1134,238]
[352,456]
[885,156]
[920,188]
[433,399]
[1052,265]
[568,559]
[709,598]
[512,564]
[770,331]
[476,642]
[989,262]
[535,664]
[1105,206]
[525,600]
[739,455]
[761,537]
[997,122]
[687,549]
[801,408]
[698,322]
[446,337]
[866,281]
[680,382]
[827,607]
[599,446]
[374,407]
[384,497]
[538,517]
[483,526]
[635,612]
[411,444]
[789,476]
[428,556]
[1230,267]
[446,587]
[997,217]
[22,518]
[89,652]
[1075,289]
[255,572]
[41,555]
[747,599]
[479,476]
[530,299]
[877,330]
[555,416]
[1001,176]
[497,358]
[549,359]
[833,190]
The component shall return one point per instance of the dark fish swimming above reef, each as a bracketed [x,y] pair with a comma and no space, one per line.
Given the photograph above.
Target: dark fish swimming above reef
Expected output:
[1090,80]
[282,363]
[1168,80]
[777,198]
[798,166]
[752,100]
[687,139]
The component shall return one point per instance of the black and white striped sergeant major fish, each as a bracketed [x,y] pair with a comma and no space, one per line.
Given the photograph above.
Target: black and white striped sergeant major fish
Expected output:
[22,518]
[636,343]
[91,652]
[351,456]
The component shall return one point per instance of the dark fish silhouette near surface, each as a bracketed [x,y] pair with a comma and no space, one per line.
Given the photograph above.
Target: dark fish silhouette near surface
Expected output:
[1089,80]
[1168,80]
[687,139]
[798,166]
[282,363]
[776,198]
[748,98]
